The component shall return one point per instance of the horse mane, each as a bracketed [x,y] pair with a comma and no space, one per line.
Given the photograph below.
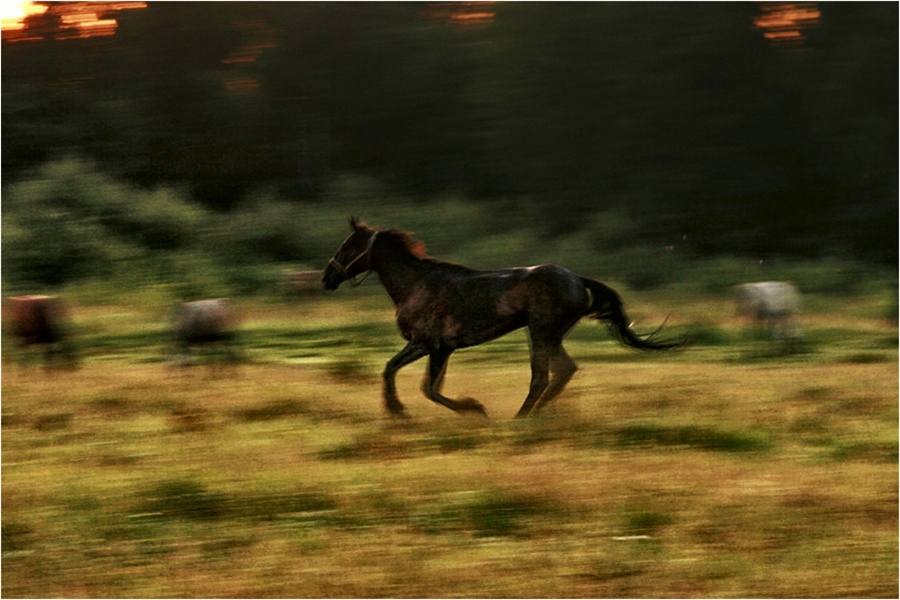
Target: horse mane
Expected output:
[407,241]
[404,240]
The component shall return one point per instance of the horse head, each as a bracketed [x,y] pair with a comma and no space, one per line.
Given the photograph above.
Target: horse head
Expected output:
[353,257]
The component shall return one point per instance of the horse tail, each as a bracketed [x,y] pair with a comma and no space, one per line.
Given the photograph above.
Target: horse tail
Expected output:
[606,306]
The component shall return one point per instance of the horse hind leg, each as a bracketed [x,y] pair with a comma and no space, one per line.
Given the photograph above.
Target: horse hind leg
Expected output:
[540,378]
[434,380]
[562,368]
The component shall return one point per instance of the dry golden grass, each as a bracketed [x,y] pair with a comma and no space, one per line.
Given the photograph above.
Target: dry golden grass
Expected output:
[653,475]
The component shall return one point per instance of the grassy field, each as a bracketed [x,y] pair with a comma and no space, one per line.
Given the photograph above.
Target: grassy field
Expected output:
[730,469]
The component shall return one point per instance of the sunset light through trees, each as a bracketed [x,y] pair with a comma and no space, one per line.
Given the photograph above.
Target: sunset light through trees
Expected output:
[63,19]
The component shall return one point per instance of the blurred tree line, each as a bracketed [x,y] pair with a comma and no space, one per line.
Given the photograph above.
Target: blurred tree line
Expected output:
[681,115]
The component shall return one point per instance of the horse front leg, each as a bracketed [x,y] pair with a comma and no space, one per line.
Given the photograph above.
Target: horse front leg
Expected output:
[410,353]
[434,380]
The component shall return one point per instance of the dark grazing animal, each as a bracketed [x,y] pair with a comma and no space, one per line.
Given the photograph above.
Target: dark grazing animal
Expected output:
[442,307]
[205,323]
[41,321]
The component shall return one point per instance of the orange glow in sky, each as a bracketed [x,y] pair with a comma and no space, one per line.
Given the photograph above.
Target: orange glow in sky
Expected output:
[13,12]
[463,13]
[77,19]
[785,21]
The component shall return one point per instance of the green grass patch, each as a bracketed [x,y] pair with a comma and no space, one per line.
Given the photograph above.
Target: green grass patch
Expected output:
[866,358]
[492,513]
[190,499]
[272,409]
[693,436]
[185,499]
[646,522]
[880,452]
[16,537]
[704,334]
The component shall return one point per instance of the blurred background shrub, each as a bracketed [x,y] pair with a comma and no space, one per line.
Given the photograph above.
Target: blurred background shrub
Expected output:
[71,224]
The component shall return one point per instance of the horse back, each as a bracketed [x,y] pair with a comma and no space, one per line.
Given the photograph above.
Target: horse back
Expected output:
[457,308]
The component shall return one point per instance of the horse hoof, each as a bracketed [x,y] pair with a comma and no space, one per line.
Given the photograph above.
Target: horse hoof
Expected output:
[472,405]
[397,413]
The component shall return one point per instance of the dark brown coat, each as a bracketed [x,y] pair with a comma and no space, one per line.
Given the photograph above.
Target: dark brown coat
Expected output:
[42,321]
[442,307]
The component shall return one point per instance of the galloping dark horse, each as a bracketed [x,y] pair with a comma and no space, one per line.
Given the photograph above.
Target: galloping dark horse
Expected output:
[444,306]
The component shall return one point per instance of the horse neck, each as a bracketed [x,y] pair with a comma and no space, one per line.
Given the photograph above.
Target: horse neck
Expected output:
[399,271]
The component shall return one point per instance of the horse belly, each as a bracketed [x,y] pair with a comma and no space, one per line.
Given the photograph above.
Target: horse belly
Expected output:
[484,330]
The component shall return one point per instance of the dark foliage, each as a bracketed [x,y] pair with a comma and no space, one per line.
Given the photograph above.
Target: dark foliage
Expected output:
[683,114]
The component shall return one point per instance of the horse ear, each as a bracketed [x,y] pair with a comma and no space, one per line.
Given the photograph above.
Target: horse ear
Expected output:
[359,226]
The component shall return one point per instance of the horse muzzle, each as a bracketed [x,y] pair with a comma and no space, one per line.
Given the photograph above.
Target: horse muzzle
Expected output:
[332,278]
